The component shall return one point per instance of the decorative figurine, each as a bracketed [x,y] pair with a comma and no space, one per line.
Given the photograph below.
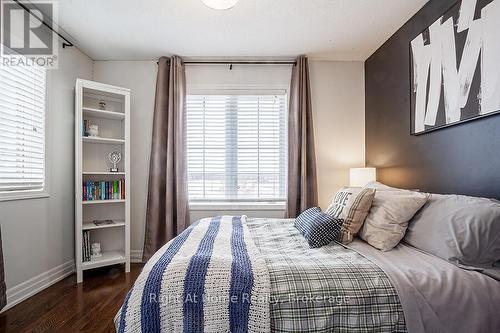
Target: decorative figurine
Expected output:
[93,130]
[96,250]
[102,105]
[114,158]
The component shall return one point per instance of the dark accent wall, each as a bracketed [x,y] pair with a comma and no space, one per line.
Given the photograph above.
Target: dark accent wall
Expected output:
[462,159]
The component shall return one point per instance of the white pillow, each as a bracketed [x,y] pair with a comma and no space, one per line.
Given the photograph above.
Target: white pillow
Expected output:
[388,218]
[379,186]
[382,187]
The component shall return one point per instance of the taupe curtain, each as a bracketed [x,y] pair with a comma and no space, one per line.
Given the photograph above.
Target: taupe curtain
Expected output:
[3,289]
[167,212]
[302,182]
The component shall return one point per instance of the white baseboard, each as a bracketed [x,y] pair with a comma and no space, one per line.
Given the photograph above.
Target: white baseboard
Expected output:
[136,256]
[26,289]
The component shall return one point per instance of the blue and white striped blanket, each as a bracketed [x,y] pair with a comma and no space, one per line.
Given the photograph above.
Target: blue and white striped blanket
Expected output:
[210,278]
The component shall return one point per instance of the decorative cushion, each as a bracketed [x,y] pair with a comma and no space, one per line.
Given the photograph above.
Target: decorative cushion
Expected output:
[388,218]
[460,229]
[351,204]
[379,186]
[318,228]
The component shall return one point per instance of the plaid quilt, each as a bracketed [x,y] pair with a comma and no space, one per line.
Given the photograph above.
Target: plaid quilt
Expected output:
[330,289]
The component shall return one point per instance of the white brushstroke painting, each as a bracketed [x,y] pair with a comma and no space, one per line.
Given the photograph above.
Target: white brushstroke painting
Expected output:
[439,85]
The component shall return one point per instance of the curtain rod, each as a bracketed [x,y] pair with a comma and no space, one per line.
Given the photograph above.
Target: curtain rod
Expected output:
[242,62]
[239,62]
[66,41]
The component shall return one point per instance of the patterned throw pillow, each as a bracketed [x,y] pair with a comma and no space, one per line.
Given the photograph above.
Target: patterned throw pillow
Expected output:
[318,228]
[352,205]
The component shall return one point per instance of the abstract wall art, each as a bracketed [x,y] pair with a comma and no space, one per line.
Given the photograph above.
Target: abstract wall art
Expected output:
[455,67]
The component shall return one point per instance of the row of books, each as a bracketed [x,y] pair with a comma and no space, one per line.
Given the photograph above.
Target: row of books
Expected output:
[86,250]
[104,190]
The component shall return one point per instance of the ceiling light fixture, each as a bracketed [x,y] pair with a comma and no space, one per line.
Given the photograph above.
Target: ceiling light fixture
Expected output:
[220,4]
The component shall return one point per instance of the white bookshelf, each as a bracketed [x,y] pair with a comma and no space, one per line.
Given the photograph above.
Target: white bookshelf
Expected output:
[91,164]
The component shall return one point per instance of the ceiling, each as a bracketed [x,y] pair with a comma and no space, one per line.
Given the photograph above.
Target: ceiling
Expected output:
[147,29]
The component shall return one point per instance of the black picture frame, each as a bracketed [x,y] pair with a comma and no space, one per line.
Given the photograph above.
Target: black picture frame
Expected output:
[452,11]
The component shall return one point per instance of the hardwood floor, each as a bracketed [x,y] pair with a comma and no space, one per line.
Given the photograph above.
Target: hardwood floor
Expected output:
[70,307]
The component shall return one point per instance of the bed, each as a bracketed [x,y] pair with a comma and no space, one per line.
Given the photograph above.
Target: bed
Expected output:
[280,284]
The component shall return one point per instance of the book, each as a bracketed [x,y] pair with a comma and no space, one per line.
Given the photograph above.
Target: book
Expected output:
[86,246]
[120,189]
[85,131]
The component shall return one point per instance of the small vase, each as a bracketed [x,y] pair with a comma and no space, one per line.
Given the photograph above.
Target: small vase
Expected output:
[94,130]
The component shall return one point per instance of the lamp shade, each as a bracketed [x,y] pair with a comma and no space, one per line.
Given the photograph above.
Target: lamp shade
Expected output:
[220,4]
[359,177]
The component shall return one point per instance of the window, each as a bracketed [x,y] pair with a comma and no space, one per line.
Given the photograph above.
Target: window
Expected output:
[22,131]
[237,146]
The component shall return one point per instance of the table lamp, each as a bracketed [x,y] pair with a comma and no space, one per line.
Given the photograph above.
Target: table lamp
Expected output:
[359,177]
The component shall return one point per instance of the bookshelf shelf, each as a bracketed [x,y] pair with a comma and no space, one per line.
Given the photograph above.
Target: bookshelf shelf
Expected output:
[88,139]
[92,226]
[97,113]
[90,157]
[103,173]
[96,202]
[108,258]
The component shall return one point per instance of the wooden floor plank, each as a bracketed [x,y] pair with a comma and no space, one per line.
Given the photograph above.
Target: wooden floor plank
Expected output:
[70,307]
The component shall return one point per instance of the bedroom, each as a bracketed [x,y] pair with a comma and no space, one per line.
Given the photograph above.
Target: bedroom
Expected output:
[237,165]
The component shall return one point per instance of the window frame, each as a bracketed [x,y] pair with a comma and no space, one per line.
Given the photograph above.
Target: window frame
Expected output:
[236,204]
[44,192]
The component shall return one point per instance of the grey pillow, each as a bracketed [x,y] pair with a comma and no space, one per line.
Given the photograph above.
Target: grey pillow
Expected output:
[388,218]
[463,230]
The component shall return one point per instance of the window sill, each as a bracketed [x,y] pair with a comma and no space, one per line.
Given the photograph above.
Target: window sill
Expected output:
[241,206]
[23,196]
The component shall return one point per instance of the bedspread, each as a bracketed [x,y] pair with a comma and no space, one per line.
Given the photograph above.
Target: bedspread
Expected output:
[210,278]
[330,289]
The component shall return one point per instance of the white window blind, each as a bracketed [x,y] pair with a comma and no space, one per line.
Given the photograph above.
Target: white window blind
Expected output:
[22,128]
[237,147]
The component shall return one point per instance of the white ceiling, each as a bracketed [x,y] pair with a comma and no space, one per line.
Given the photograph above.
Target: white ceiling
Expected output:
[147,29]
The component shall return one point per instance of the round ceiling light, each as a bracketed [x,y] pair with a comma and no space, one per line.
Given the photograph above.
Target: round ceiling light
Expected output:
[220,4]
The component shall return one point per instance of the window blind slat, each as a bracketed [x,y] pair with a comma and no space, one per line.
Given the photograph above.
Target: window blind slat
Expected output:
[22,128]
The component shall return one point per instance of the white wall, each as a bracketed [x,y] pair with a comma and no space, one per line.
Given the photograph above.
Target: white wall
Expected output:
[140,77]
[38,234]
[338,102]
[338,95]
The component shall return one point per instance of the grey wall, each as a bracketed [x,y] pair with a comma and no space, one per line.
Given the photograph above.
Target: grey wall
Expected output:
[38,234]
[462,159]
